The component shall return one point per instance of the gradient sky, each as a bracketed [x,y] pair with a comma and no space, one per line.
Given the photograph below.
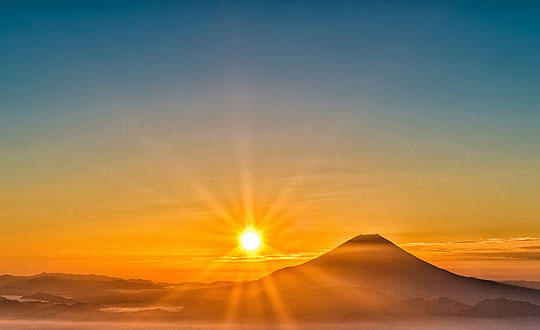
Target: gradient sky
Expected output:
[139,138]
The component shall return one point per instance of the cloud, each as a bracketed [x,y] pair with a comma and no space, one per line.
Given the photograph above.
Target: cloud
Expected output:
[530,247]
[527,239]
[504,255]
[496,248]
[269,257]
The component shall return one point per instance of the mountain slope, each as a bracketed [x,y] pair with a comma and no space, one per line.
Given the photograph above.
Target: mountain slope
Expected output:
[525,284]
[373,262]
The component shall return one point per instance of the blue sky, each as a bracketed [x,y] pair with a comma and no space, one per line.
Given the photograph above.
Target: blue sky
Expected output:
[453,70]
[437,57]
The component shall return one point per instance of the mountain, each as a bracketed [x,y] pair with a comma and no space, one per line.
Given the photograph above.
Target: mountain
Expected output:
[68,284]
[366,277]
[439,307]
[525,284]
[39,310]
[303,303]
[488,308]
[502,308]
[373,262]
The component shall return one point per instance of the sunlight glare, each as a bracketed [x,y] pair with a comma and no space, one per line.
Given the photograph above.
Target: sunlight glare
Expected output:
[250,240]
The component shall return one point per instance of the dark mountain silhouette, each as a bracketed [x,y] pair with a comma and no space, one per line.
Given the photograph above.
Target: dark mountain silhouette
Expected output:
[440,306]
[39,310]
[373,262]
[488,308]
[525,284]
[68,284]
[502,308]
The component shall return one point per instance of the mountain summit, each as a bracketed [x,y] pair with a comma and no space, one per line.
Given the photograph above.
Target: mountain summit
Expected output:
[369,238]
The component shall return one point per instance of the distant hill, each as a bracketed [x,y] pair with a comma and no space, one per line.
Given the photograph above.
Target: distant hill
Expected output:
[502,308]
[68,284]
[439,307]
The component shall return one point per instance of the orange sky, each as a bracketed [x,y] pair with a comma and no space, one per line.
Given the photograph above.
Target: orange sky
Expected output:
[138,139]
[165,208]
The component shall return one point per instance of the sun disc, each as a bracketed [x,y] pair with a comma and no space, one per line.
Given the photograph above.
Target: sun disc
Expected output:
[250,241]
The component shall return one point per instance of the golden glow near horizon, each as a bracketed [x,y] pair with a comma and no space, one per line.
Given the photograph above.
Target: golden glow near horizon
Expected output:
[170,205]
[250,240]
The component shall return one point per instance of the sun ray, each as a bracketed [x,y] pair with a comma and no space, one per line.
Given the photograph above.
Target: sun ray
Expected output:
[277,302]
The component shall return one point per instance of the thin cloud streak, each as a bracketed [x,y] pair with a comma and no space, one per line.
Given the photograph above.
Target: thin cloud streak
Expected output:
[480,249]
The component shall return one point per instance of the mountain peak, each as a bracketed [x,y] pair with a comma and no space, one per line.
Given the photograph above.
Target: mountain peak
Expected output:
[366,247]
[367,239]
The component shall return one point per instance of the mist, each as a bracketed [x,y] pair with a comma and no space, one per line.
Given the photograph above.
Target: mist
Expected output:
[433,324]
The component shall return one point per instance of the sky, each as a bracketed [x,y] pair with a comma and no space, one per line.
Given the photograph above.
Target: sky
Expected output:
[138,139]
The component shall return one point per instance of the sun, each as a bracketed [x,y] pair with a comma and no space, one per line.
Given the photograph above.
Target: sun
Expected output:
[250,240]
